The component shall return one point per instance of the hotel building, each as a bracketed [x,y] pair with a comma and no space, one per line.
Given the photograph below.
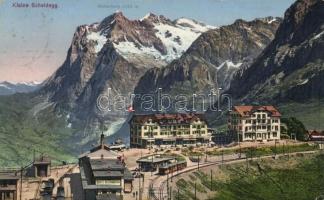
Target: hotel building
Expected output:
[255,123]
[168,130]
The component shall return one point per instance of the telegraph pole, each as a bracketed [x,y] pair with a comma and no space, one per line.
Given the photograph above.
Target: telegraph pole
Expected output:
[206,154]
[21,182]
[247,161]
[275,148]
[178,194]
[139,184]
[211,180]
[198,162]
[152,165]
[239,143]
[151,148]
[287,149]
[167,186]
[195,191]
[143,185]
[222,156]
[34,155]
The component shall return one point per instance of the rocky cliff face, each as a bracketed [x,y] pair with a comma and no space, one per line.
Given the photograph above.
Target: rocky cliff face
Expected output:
[212,59]
[291,67]
[108,58]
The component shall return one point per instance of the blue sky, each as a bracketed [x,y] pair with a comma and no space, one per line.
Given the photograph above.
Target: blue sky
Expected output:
[34,41]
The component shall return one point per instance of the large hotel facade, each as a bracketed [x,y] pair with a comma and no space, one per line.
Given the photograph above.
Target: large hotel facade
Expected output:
[255,123]
[168,130]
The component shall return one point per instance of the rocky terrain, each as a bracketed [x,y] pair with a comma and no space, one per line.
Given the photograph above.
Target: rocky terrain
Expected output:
[291,68]
[211,60]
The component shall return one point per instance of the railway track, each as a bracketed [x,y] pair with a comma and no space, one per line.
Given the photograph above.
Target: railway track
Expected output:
[191,168]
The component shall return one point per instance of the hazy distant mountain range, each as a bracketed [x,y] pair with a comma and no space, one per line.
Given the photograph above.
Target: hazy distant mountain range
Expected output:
[8,88]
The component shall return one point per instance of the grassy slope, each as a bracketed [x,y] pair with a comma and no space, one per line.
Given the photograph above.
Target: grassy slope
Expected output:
[301,181]
[310,113]
[21,133]
[297,178]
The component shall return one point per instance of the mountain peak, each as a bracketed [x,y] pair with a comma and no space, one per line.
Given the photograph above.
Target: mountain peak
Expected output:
[149,16]
[119,15]
[153,18]
[154,37]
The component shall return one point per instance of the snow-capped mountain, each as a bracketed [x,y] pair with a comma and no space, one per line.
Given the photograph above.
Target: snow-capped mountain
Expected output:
[8,88]
[212,59]
[154,37]
[109,57]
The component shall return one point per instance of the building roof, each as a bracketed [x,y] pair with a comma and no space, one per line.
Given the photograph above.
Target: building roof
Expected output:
[180,118]
[316,133]
[108,197]
[101,151]
[155,159]
[168,165]
[128,175]
[246,111]
[103,187]
[105,164]
[43,160]
[8,176]
[107,173]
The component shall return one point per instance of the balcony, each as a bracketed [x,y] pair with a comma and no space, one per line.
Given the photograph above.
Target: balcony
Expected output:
[8,188]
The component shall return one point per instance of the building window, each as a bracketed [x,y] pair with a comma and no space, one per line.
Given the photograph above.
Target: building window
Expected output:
[107,182]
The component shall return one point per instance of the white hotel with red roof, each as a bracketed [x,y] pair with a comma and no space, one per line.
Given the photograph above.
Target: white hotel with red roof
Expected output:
[255,123]
[168,130]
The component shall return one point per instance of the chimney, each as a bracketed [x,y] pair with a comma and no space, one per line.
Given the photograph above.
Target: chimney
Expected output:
[102,140]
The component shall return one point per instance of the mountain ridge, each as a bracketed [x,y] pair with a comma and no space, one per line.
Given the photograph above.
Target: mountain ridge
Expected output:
[9,88]
[210,62]
[290,68]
